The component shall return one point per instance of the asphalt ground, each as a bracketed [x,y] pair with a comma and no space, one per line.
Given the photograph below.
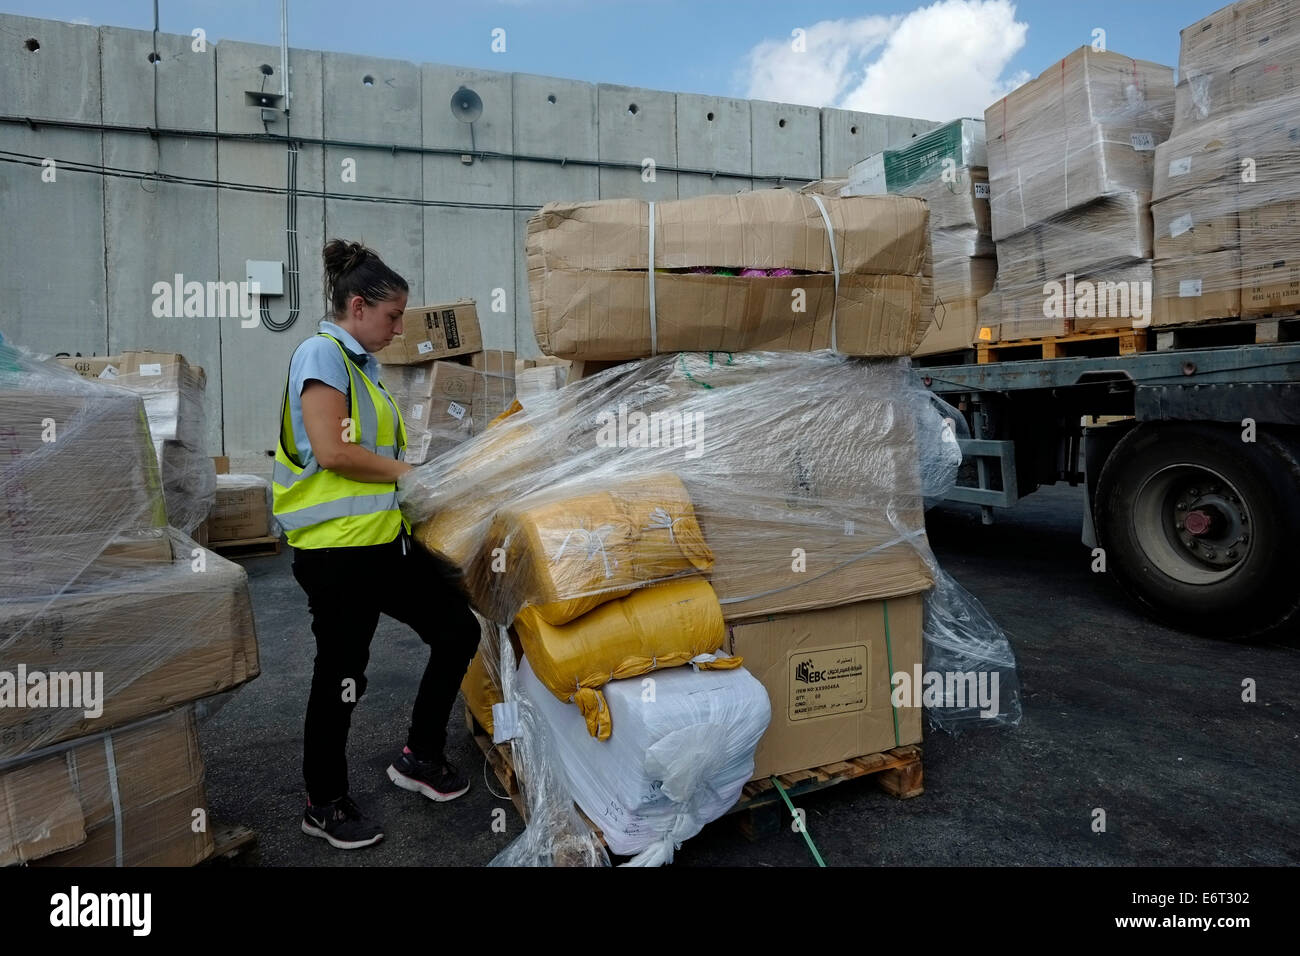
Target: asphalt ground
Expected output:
[1120,714]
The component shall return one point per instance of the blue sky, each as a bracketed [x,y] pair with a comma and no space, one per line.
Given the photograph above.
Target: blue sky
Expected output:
[949,59]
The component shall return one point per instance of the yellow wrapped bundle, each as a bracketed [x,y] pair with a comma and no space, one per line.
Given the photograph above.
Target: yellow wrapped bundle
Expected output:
[481,691]
[567,555]
[454,533]
[663,625]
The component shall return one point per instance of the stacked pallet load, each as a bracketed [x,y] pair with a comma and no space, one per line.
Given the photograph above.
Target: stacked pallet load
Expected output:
[667,537]
[112,624]
[948,168]
[242,521]
[1227,183]
[1071,156]
[173,392]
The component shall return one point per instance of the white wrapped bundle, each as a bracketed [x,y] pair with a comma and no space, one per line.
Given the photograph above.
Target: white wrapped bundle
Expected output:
[676,762]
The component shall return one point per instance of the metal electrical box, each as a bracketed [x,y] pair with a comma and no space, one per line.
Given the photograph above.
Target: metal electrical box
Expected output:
[268,273]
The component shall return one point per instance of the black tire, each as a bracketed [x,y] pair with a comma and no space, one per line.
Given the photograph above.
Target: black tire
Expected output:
[1201,527]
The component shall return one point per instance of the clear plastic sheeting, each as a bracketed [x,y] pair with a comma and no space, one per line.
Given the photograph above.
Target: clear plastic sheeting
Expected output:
[1226,206]
[805,475]
[106,614]
[1085,128]
[683,751]
[961,639]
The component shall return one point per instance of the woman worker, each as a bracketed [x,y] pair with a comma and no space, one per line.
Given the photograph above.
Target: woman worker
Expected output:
[340,453]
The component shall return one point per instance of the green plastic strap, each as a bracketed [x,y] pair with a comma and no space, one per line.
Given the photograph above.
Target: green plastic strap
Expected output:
[889,655]
[803,828]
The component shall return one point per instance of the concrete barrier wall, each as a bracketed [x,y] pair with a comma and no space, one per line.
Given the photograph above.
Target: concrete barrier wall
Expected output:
[81,254]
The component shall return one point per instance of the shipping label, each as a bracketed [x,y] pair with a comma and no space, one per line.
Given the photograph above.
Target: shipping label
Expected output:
[828,680]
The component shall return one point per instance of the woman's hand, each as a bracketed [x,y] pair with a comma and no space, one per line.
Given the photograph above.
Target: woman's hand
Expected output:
[324,412]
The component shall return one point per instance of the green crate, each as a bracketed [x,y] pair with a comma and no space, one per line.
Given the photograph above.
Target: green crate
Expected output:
[962,141]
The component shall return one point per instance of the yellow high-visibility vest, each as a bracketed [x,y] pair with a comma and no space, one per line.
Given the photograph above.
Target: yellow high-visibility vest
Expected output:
[319,508]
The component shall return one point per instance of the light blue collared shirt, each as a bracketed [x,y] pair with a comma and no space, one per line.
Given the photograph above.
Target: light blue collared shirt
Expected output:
[318,358]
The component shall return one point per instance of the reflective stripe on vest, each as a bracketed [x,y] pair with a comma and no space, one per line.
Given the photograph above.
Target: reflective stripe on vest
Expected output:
[319,508]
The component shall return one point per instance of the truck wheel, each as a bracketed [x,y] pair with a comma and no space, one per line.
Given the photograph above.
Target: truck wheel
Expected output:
[1201,527]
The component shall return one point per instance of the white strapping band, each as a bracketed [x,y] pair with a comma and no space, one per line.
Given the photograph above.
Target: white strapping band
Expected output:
[835,266]
[117,800]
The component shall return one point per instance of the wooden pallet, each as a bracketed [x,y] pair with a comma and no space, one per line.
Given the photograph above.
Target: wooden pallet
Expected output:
[247,547]
[1102,343]
[760,809]
[1257,330]
[230,842]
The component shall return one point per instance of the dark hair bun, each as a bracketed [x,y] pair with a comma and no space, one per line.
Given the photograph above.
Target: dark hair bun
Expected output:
[341,257]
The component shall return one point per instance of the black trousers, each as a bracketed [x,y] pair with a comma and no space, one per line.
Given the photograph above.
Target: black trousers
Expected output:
[347,589]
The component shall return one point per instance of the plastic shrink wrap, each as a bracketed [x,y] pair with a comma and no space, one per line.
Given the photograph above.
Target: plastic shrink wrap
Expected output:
[107,615]
[1226,203]
[678,761]
[1072,156]
[806,474]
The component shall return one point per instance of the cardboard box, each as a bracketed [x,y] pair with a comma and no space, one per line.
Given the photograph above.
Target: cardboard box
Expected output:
[241,509]
[433,332]
[494,388]
[1199,220]
[959,143]
[828,675]
[1087,127]
[1208,44]
[1204,155]
[1259,81]
[589,280]
[959,213]
[68,808]
[1270,259]
[959,285]
[1116,296]
[160,637]
[438,414]
[105,367]
[1265,28]
[66,499]
[1196,288]
[1112,230]
[221,464]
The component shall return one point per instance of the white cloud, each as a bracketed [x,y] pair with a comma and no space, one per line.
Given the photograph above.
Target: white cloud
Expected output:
[937,62]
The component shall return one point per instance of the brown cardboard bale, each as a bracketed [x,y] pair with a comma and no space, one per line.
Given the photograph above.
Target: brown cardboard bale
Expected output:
[1085,128]
[1270,258]
[159,636]
[1196,288]
[828,675]
[103,367]
[589,284]
[1196,221]
[433,332]
[151,789]
[241,509]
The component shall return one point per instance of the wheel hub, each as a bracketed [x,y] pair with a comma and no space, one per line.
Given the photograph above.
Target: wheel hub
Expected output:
[1212,527]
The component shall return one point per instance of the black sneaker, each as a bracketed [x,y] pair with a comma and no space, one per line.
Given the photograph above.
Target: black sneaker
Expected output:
[436,779]
[341,823]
